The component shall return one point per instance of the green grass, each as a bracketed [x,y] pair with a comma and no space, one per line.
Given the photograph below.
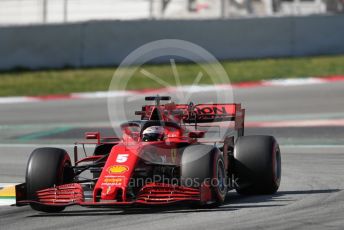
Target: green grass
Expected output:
[42,82]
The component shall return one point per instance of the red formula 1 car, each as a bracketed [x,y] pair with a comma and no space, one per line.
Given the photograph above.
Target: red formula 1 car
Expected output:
[162,158]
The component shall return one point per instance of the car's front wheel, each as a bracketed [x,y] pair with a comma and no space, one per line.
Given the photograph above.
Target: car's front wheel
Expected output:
[205,164]
[47,167]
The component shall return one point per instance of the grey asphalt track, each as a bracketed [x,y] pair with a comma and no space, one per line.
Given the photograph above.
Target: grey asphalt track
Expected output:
[261,102]
[311,195]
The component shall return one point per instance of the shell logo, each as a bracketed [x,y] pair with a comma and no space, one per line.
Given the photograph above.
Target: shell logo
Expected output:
[115,169]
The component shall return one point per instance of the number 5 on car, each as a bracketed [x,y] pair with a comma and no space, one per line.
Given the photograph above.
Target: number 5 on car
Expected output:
[121,158]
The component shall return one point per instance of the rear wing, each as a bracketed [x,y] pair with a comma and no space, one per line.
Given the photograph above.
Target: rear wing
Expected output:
[190,113]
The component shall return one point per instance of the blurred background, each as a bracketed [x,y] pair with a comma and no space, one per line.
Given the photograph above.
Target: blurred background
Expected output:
[17,12]
[63,47]
[88,33]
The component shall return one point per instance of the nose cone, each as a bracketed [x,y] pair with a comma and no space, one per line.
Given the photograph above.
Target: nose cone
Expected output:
[116,173]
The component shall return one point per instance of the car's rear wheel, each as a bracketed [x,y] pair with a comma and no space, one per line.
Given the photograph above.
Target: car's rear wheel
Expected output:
[205,164]
[47,167]
[257,165]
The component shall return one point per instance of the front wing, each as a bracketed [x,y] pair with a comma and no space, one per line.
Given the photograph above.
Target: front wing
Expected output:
[150,194]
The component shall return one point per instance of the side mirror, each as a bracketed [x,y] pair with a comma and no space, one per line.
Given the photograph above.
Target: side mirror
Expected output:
[93,136]
[196,134]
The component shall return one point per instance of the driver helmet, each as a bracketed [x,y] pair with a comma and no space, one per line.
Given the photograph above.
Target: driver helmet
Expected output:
[153,133]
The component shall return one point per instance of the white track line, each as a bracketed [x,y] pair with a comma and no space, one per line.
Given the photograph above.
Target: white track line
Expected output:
[4,185]
[7,202]
[297,123]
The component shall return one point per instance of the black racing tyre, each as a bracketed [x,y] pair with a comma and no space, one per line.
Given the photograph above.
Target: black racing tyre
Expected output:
[257,165]
[204,163]
[47,167]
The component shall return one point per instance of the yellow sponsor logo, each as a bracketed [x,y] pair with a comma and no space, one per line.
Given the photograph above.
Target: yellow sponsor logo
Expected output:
[117,180]
[117,169]
[8,192]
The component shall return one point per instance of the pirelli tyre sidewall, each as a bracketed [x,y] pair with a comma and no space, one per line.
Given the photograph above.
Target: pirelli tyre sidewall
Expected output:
[257,165]
[47,167]
[204,164]
[219,185]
